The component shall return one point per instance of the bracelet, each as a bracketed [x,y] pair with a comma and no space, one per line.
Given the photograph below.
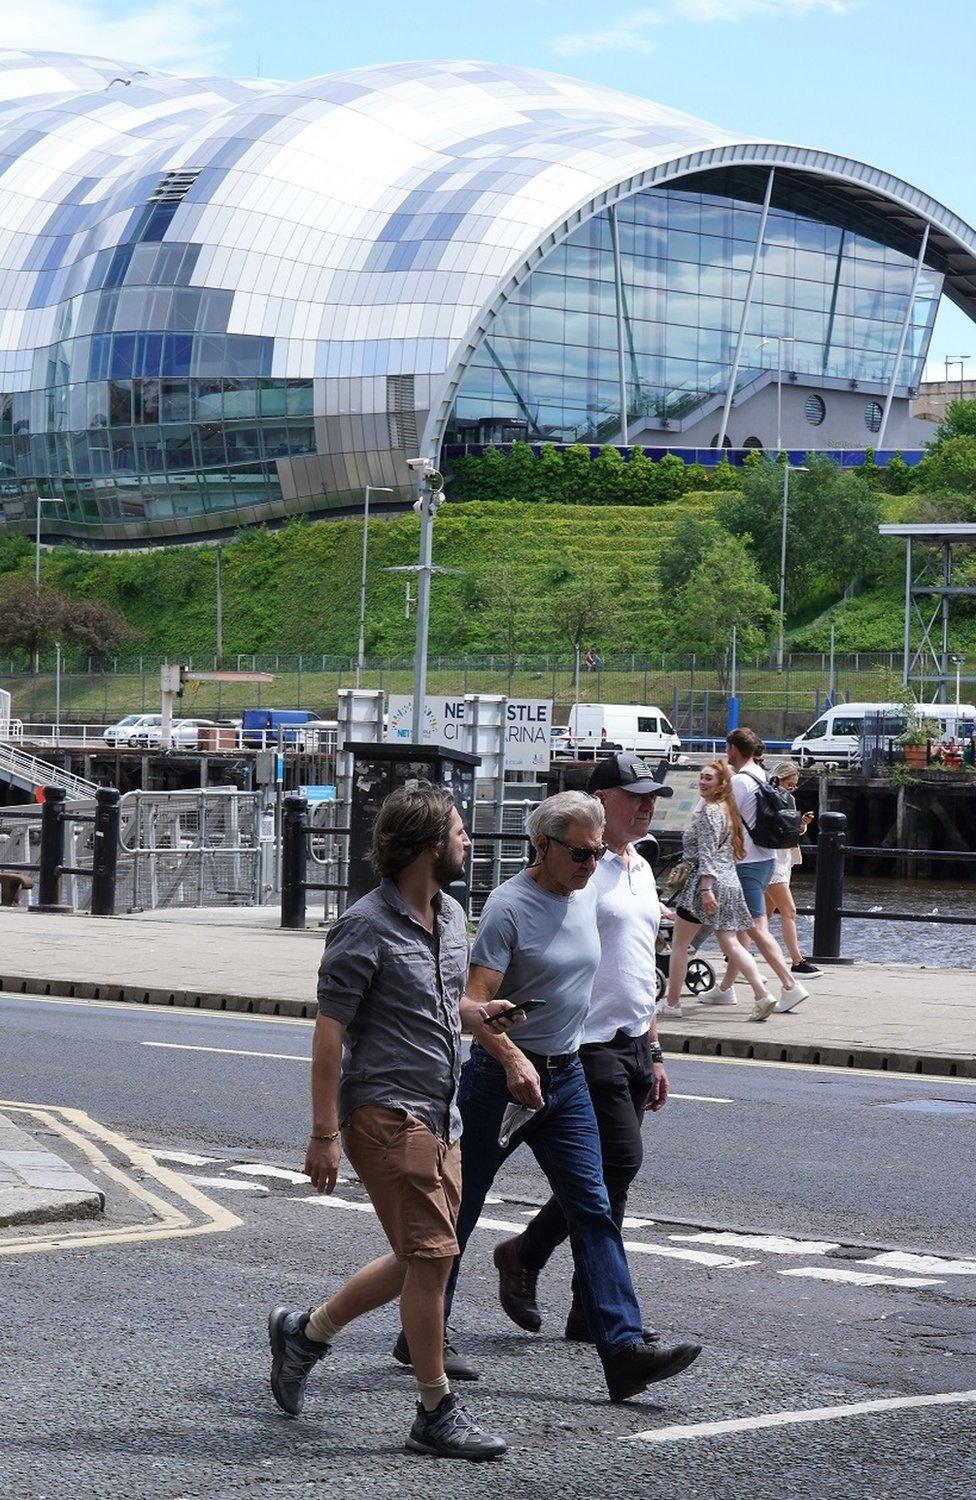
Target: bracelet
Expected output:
[320,1135]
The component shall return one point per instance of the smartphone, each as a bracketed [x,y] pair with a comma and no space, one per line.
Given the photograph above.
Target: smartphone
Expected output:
[526,1005]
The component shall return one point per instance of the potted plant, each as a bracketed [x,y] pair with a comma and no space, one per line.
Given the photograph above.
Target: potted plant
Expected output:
[915,739]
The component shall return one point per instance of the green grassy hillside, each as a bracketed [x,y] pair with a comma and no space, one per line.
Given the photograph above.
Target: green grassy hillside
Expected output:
[297,590]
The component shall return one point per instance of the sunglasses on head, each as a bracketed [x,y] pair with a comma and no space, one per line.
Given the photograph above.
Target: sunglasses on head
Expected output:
[580,853]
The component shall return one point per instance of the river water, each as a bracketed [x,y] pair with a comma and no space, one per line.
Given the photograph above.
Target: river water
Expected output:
[899,942]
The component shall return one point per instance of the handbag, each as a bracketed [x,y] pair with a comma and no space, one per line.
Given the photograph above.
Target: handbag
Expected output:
[676,877]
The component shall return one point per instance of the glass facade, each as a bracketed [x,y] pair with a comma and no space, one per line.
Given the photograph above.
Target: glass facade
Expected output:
[832,299]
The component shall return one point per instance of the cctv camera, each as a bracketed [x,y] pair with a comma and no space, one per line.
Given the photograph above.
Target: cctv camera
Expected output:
[420,465]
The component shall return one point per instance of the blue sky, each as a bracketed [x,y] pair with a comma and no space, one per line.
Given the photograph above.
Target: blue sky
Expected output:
[886,81]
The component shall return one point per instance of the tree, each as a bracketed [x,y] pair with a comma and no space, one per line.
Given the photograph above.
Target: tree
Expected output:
[726,476]
[832,526]
[93,626]
[588,601]
[494,475]
[522,473]
[959,421]
[896,476]
[670,477]
[723,591]
[681,554]
[951,465]
[576,466]
[29,620]
[639,479]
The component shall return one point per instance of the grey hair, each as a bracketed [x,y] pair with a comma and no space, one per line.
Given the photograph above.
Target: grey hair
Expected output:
[552,817]
[785,768]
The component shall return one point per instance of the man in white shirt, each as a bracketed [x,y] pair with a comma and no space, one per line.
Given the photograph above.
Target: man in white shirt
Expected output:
[620,1052]
[754,871]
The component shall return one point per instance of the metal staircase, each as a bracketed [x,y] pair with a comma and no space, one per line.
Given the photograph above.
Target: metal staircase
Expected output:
[28,773]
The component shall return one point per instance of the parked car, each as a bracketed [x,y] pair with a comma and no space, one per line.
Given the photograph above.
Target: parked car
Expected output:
[126,731]
[185,734]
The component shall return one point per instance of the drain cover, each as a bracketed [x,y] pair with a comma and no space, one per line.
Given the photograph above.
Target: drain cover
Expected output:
[935,1106]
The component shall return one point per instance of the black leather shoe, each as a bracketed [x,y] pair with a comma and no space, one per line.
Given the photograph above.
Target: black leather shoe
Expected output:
[516,1286]
[634,1369]
[456,1367]
[578,1331]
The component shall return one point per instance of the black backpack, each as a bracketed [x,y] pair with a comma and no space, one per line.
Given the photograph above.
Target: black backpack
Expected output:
[777,824]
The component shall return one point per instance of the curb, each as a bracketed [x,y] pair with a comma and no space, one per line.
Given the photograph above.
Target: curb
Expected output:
[871,1059]
[689,1044]
[37,1186]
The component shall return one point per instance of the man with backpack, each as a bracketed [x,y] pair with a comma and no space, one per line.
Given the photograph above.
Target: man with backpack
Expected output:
[769,823]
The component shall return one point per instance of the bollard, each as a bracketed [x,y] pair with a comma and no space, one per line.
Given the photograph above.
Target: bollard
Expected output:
[105,851]
[294,854]
[52,849]
[829,890]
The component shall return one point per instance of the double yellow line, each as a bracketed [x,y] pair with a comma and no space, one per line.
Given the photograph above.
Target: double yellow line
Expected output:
[193,1212]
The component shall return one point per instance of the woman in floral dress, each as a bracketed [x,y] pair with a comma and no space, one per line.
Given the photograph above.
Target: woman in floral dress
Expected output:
[712,894]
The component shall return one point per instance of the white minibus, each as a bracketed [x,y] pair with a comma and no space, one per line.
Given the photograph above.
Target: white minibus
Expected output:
[640,727]
[836,735]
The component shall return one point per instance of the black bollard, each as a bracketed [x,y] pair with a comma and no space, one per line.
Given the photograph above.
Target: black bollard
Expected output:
[52,849]
[829,890]
[105,851]
[294,856]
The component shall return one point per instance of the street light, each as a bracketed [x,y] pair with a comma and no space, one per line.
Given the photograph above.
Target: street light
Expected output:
[796,469]
[958,662]
[960,360]
[360,655]
[779,340]
[41,500]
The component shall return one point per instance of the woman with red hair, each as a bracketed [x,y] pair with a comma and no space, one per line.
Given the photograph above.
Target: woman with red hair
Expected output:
[712,894]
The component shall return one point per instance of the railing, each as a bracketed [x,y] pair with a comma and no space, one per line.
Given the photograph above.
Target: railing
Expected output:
[38,773]
[829,911]
[51,867]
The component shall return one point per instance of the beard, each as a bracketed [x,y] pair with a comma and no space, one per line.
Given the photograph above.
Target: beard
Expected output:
[448,868]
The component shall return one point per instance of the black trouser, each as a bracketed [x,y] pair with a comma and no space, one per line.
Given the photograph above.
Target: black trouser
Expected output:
[620,1078]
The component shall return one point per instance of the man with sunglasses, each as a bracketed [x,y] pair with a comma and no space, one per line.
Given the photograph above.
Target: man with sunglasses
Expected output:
[620,1052]
[538,941]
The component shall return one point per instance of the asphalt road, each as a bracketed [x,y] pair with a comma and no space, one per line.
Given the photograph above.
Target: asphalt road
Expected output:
[140,1369]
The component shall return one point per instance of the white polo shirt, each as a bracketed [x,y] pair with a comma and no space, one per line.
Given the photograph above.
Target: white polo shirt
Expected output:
[628,915]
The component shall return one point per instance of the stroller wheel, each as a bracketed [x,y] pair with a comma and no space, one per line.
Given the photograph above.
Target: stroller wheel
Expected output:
[658,984]
[700,976]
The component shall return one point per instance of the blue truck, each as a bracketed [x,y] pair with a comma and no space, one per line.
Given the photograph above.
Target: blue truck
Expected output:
[265,728]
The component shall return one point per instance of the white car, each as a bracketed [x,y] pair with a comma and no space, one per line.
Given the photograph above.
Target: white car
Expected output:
[184,733]
[126,731]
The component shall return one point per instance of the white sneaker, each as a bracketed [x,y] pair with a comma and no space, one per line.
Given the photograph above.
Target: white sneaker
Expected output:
[667,1012]
[718,997]
[790,999]
[763,1008]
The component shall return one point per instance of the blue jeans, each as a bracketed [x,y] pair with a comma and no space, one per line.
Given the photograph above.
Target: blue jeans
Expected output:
[566,1143]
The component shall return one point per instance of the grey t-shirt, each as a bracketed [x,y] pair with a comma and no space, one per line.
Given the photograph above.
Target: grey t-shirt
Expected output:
[548,948]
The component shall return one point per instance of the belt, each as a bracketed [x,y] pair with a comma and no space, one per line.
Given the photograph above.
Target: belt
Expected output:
[552,1062]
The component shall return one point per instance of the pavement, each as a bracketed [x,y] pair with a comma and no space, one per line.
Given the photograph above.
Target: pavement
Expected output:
[38,1187]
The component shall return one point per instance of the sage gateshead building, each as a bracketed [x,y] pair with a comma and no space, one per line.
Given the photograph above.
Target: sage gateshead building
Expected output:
[233,301]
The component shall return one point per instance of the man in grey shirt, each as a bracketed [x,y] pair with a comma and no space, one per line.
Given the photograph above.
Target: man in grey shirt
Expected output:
[385,1067]
[538,947]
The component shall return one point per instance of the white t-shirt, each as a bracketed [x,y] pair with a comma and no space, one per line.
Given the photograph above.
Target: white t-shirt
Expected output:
[744,792]
[628,915]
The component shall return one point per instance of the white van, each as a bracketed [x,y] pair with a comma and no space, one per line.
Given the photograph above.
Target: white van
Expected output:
[836,735]
[640,727]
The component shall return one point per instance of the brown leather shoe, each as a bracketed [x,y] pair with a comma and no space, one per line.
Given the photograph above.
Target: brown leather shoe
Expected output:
[516,1286]
[578,1331]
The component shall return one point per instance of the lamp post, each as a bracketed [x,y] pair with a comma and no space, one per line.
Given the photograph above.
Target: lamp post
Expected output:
[361,651]
[957,662]
[960,360]
[41,500]
[779,340]
[796,469]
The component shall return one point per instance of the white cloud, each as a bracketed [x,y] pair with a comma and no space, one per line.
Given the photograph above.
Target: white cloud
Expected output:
[634,33]
[181,36]
[743,10]
[629,34]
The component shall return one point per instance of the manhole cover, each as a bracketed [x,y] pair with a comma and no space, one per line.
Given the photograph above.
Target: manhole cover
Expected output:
[935,1106]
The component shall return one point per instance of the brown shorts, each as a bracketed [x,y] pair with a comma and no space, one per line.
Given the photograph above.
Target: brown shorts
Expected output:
[413,1179]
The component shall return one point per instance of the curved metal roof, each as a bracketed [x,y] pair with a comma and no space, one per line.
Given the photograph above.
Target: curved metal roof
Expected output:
[369,221]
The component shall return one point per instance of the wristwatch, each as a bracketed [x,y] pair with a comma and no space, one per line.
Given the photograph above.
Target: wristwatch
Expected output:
[656,1052]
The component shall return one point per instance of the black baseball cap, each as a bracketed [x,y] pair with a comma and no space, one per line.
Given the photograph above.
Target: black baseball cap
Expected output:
[627,771]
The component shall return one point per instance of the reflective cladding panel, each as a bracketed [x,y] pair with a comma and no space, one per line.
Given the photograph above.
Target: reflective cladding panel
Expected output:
[831,298]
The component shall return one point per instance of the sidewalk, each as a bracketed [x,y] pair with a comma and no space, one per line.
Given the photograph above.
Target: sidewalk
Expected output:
[896,1017]
[37,1187]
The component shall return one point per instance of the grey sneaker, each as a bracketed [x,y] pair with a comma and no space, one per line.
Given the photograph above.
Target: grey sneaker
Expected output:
[449,1432]
[456,1367]
[293,1357]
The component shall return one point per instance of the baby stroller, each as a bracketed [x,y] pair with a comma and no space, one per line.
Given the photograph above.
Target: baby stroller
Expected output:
[700,976]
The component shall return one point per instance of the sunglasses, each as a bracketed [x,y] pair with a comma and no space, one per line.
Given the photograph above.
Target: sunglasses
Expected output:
[580,853]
